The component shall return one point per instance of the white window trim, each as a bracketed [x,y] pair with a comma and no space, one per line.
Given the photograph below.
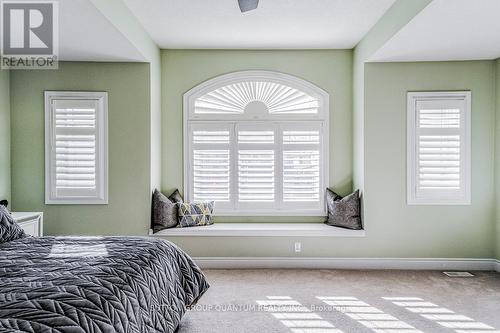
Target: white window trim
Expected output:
[102,167]
[323,115]
[412,99]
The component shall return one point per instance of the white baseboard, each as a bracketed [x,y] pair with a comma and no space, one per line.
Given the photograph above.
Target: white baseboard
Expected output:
[349,263]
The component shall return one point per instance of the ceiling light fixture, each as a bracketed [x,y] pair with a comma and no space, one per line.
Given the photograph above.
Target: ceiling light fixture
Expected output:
[247,5]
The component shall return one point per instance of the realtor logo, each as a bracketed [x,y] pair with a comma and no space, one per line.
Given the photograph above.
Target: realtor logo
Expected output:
[29,34]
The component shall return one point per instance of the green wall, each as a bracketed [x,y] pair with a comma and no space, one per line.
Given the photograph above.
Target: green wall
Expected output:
[127,84]
[155,121]
[4,135]
[400,13]
[117,13]
[497,155]
[330,70]
[429,231]
[394,229]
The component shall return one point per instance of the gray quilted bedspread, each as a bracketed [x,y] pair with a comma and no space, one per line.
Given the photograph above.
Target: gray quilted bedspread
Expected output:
[95,284]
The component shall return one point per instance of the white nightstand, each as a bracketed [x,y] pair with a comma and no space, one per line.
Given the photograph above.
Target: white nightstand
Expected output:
[31,222]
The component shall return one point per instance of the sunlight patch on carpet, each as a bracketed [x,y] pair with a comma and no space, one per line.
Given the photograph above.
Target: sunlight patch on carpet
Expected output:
[367,315]
[295,316]
[444,317]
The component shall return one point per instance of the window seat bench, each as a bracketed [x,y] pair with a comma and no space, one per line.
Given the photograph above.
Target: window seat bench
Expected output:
[260,230]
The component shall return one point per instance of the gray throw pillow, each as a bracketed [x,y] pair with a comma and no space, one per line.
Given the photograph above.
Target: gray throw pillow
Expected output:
[176,197]
[164,211]
[344,212]
[9,229]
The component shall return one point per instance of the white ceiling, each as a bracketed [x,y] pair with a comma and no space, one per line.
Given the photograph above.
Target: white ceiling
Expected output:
[292,24]
[447,30]
[86,35]
[444,30]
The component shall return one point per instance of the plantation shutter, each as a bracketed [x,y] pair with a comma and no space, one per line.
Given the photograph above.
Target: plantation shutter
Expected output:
[256,143]
[256,146]
[302,160]
[441,150]
[76,160]
[211,166]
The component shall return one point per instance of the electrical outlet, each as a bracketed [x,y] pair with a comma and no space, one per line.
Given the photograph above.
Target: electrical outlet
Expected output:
[298,247]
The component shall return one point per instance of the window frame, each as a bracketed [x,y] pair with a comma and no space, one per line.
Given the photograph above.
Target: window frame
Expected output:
[101,148]
[189,117]
[412,155]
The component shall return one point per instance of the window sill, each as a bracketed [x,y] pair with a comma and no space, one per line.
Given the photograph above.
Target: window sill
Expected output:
[272,213]
[260,230]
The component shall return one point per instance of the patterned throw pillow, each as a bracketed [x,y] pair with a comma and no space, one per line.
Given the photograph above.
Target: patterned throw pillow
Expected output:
[195,214]
[344,212]
[164,213]
[9,230]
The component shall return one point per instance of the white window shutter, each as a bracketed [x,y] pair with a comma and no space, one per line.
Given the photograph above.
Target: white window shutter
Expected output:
[301,175]
[256,143]
[211,165]
[256,164]
[233,98]
[76,144]
[256,175]
[439,148]
[302,153]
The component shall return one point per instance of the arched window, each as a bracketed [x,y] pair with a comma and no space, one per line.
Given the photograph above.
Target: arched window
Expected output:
[256,142]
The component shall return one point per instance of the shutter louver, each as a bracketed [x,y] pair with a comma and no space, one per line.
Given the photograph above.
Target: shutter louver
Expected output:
[278,98]
[438,154]
[301,175]
[75,161]
[300,137]
[439,162]
[301,168]
[211,171]
[256,175]
[211,137]
[75,148]
[448,118]
[211,166]
[256,137]
[256,166]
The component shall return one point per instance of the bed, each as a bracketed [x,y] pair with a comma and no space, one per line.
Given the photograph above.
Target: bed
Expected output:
[95,284]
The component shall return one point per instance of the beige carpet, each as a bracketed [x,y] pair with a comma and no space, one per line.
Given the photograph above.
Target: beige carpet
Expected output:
[333,301]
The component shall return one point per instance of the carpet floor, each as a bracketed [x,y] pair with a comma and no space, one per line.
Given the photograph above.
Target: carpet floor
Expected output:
[336,301]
